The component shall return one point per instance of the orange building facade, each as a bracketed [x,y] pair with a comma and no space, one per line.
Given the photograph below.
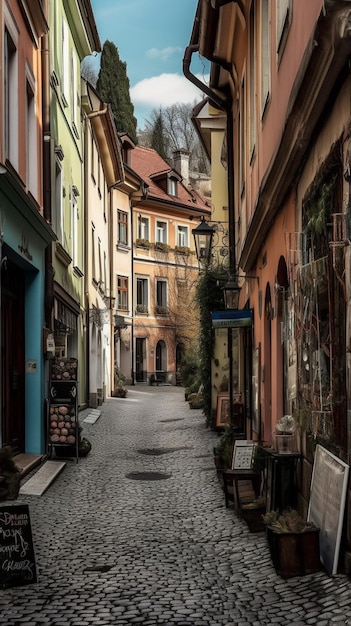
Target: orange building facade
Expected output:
[165,269]
[280,72]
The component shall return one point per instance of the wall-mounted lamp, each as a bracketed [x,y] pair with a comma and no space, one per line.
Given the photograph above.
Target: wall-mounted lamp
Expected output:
[203,236]
[231,292]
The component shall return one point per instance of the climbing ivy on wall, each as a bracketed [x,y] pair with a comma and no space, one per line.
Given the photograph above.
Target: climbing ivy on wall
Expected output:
[210,298]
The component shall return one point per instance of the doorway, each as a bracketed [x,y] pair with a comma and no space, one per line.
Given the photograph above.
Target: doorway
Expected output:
[12,357]
[140,351]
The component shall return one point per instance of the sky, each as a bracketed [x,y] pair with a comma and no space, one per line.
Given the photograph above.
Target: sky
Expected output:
[151,37]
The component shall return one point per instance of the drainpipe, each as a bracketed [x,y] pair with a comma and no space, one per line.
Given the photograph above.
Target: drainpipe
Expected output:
[103,111]
[224,101]
[49,273]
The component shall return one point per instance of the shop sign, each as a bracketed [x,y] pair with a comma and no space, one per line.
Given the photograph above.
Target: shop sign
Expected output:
[237,318]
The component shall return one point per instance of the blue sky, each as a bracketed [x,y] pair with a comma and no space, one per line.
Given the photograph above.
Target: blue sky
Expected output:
[151,37]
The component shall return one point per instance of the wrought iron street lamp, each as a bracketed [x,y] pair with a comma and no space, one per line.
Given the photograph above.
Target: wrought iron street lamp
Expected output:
[231,292]
[203,237]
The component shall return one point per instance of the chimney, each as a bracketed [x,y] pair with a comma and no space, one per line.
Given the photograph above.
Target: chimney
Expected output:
[181,164]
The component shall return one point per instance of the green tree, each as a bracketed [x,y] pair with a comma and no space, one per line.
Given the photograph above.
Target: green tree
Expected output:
[113,87]
[158,137]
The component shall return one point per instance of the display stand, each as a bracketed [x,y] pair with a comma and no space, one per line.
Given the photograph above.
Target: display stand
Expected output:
[63,428]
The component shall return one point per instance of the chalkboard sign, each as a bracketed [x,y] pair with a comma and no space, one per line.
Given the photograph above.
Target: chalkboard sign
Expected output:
[327,504]
[17,562]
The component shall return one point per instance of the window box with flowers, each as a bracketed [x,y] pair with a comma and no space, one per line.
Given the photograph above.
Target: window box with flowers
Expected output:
[182,250]
[142,308]
[162,247]
[143,243]
[161,310]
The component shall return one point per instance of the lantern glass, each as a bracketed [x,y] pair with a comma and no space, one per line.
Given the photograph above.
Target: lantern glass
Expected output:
[231,291]
[203,236]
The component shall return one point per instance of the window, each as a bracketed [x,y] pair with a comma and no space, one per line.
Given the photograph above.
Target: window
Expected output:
[172,187]
[74,95]
[252,94]
[31,140]
[10,97]
[122,227]
[242,152]
[161,232]
[122,293]
[100,261]
[161,296]
[65,63]
[142,295]
[74,226]
[183,236]
[143,228]
[58,208]
[265,55]
[93,252]
[283,16]
[93,149]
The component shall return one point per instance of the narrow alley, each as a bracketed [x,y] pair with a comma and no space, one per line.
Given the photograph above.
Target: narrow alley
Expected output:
[138,533]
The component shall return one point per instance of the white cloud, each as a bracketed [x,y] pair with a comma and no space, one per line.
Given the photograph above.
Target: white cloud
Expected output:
[164,90]
[164,54]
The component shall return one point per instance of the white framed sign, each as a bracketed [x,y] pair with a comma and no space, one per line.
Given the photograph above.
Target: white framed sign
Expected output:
[327,504]
[243,454]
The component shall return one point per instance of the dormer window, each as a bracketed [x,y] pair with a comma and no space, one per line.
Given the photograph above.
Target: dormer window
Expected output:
[172,187]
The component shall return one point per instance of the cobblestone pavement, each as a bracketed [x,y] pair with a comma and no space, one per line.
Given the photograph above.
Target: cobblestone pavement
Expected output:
[115,551]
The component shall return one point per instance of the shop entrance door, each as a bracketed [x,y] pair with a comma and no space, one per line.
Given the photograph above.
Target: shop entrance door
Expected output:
[12,357]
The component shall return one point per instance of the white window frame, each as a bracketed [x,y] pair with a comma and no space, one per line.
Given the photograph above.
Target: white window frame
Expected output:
[182,236]
[74,227]
[58,211]
[65,68]
[161,231]
[172,187]
[143,227]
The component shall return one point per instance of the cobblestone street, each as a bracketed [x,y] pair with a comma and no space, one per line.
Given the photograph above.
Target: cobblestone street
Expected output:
[138,533]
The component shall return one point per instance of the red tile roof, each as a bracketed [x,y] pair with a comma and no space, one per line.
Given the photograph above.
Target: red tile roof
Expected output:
[148,164]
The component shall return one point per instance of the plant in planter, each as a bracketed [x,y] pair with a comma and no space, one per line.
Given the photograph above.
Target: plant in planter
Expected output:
[120,390]
[10,475]
[293,543]
[223,450]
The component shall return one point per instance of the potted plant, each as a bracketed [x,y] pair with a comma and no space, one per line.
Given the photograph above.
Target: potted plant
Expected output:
[223,450]
[120,389]
[10,475]
[293,543]
[285,434]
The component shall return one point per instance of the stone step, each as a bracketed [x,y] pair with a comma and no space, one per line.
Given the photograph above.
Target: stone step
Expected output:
[42,479]
[27,462]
